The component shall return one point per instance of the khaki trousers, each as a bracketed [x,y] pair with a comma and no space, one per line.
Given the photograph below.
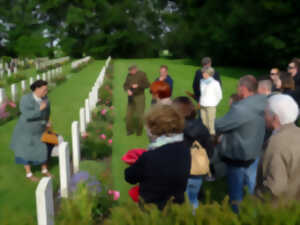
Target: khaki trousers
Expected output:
[208,115]
[135,114]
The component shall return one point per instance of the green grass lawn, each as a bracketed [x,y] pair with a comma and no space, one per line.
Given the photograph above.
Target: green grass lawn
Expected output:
[17,195]
[182,72]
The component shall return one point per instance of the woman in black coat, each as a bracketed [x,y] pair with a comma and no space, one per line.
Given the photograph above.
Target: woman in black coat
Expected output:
[163,171]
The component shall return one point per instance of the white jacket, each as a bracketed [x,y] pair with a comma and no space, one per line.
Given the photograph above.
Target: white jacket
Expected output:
[211,93]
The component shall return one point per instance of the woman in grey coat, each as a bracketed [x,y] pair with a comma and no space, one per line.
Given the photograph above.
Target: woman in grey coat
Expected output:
[26,141]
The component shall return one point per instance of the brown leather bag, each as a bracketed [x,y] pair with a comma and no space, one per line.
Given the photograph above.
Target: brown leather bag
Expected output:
[50,137]
[199,160]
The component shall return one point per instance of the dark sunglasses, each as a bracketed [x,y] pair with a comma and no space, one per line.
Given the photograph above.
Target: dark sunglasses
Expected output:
[272,74]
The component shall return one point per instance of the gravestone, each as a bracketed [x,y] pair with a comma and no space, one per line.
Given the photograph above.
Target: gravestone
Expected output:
[44,202]
[75,146]
[2,95]
[14,92]
[64,169]
[31,80]
[23,85]
[8,73]
[82,121]
[44,77]
[38,77]
[87,111]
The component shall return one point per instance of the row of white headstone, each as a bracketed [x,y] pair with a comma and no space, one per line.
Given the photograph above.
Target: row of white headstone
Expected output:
[44,64]
[44,191]
[50,75]
[77,63]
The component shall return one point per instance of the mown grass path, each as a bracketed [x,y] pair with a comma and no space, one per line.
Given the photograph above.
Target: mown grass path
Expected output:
[183,74]
[17,195]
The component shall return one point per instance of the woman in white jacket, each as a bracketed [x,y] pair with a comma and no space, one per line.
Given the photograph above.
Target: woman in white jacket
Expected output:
[211,95]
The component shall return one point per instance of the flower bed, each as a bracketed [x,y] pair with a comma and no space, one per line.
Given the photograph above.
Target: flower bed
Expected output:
[97,142]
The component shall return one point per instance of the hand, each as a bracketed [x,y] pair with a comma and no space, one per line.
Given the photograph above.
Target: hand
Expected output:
[135,86]
[49,125]
[129,93]
[43,105]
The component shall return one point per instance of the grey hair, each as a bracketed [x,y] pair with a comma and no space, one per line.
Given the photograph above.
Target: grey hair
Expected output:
[205,61]
[284,107]
[266,84]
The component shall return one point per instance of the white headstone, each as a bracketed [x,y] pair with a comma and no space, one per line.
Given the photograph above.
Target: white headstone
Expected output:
[87,111]
[23,85]
[75,146]
[8,73]
[44,202]
[44,77]
[2,95]
[48,77]
[38,77]
[31,80]
[14,92]
[16,69]
[82,121]
[64,169]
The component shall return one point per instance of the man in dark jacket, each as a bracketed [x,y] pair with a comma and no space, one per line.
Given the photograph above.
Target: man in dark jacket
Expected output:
[206,62]
[243,131]
[164,76]
[293,69]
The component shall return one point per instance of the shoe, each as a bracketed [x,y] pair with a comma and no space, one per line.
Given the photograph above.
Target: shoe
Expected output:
[48,174]
[33,178]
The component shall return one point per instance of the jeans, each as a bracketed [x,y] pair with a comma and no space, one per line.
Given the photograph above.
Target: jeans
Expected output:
[237,178]
[193,188]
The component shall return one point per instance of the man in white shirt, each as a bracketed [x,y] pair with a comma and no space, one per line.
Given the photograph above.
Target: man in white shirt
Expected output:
[211,95]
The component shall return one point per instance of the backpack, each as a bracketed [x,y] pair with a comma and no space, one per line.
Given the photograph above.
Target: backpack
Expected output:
[199,160]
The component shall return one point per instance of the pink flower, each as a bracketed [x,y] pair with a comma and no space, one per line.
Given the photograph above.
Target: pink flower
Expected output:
[85,135]
[12,104]
[115,194]
[110,141]
[102,136]
[103,112]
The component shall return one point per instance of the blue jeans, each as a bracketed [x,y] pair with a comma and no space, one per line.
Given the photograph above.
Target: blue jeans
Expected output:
[193,187]
[237,179]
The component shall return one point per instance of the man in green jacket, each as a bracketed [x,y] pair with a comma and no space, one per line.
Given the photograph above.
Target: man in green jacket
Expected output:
[135,85]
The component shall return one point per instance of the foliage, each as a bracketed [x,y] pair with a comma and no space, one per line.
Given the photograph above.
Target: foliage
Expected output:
[8,111]
[59,79]
[15,78]
[85,207]
[252,212]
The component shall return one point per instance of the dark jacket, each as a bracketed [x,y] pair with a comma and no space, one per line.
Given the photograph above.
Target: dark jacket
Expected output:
[196,83]
[168,80]
[297,80]
[195,130]
[243,129]
[162,173]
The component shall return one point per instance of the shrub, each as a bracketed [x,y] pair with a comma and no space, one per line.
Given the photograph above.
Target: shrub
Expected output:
[8,111]
[96,146]
[2,83]
[15,78]
[252,212]
[85,207]
[59,79]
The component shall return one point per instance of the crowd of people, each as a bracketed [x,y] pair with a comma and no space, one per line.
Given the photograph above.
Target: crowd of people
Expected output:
[257,140]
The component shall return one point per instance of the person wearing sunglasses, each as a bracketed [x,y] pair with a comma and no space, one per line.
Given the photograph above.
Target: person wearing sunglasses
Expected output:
[293,69]
[274,76]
